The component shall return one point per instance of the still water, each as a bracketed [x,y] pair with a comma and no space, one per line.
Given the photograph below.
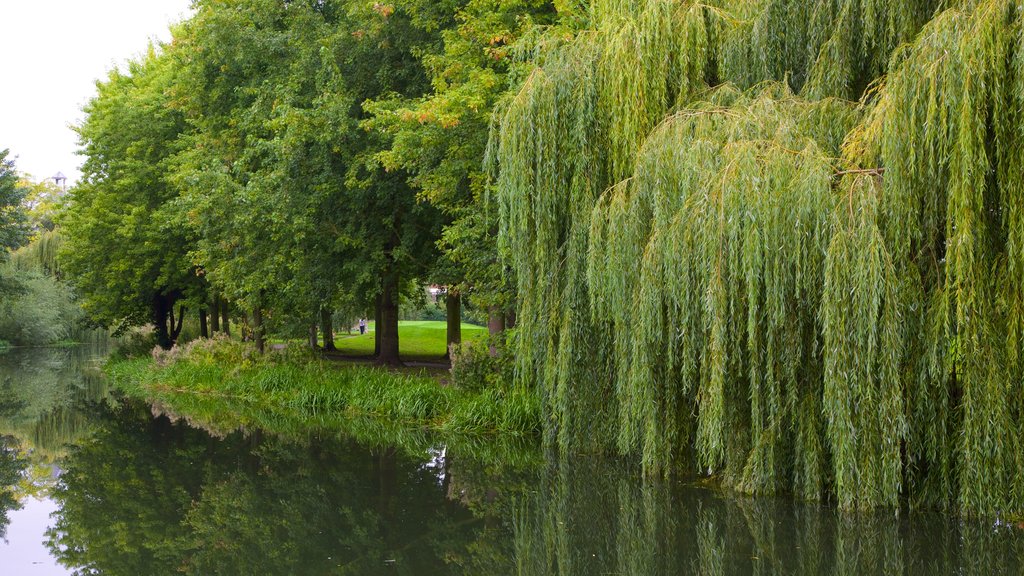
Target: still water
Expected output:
[93,483]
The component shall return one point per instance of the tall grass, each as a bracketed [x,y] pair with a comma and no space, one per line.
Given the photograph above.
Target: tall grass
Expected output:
[220,377]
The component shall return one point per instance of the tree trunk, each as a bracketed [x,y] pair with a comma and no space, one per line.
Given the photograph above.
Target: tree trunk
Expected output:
[495,326]
[313,333]
[159,310]
[328,329]
[204,329]
[387,329]
[376,327]
[510,320]
[181,321]
[215,316]
[225,310]
[257,329]
[453,306]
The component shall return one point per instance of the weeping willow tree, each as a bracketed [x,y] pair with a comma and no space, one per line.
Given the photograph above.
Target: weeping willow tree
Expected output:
[948,129]
[40,255]
[821,47]
[778,242]
[43,309]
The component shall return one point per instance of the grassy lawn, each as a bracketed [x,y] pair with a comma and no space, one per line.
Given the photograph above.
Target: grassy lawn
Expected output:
[417,340]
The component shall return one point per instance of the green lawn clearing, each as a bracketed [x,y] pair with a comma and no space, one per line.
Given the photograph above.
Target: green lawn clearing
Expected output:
[417,340]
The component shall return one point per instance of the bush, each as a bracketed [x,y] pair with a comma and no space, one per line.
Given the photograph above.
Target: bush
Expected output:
[292,353]
[474,368]
[135,344]
[220,350]
[42,310]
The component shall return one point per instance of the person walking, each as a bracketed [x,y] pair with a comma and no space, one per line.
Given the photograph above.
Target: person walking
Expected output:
[362,325]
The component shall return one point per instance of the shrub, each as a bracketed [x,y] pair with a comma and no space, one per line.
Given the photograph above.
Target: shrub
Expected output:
[474,368]
[42,311]
[135,344]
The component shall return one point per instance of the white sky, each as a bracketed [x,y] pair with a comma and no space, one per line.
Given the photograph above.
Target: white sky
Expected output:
[51,54]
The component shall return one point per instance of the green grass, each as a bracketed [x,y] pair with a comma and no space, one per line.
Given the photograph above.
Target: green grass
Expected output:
[257,391]
[417,340]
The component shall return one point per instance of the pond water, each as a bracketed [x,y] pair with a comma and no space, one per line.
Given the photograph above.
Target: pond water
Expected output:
[98,484]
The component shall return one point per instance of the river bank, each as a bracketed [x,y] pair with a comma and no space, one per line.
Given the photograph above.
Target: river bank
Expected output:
[293,384]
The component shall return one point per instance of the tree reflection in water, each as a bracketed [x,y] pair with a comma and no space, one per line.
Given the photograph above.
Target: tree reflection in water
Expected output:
[146,495]
[589,521]
[12,466]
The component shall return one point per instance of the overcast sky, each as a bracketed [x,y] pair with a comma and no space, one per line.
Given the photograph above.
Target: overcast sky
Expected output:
[51,54]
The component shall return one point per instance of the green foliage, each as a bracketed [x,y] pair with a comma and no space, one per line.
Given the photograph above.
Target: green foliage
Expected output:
[475,368]
[746,268]
[126,255]
[43,312]
[821,47]
[13,220]
[258,87]
[727,226]
[11,466]
[41,254]
[294,386]
[135,344]
[440,138]
[947,128]
[43,309]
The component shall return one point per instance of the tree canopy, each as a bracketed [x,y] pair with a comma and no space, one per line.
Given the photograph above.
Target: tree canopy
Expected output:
[13,229]
[123,248]
[765,217]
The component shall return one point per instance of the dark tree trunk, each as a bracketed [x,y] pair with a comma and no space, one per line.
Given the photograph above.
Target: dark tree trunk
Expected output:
[225,311]
[313,333]
[204,329]
[177,327]
[328,329]
[257,329]
[160,311]
[510,320]
[376,327]
[215,316]
[495,326]
[453,307]
[387,329]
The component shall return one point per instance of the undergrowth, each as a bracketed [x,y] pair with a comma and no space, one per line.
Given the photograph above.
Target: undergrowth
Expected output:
[294,383]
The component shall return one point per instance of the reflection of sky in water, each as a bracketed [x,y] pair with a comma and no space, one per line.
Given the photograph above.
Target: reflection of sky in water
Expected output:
[25,552]
[37,386]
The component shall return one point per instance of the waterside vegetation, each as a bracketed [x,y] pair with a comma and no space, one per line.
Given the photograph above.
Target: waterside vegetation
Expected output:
[296,386]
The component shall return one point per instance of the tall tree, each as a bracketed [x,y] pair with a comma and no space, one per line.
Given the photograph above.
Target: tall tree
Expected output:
[440,138]
[705,227]
[261,86]
[123,249]
[393,231]
[13,221]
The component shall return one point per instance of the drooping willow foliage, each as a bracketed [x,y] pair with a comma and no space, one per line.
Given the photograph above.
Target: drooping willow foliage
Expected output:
[40,255]
[780,242]
[823,47]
